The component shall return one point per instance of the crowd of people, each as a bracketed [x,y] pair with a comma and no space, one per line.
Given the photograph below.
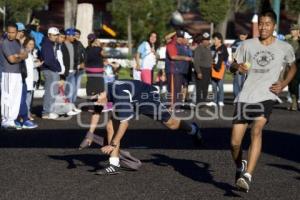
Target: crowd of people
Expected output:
[61,59]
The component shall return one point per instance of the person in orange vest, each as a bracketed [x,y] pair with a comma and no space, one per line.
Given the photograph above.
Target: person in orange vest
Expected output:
[220,56]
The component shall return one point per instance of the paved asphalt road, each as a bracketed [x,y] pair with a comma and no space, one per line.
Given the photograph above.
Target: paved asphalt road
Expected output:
[45,164]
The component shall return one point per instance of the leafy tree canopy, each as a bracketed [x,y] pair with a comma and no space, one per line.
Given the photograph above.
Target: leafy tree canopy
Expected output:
[146,16]
[214,11]
[17,10]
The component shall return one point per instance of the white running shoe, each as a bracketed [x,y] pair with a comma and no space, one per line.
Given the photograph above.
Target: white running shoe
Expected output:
[221,104]
[77,110]
[72,112]
[50,116]
[211,104]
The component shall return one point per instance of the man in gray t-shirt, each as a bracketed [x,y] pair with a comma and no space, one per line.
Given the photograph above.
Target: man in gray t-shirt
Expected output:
[11,84]
[262,59]
[265,64]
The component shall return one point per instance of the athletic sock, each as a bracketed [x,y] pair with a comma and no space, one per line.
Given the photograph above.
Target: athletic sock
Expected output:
[248,175]
[114,161]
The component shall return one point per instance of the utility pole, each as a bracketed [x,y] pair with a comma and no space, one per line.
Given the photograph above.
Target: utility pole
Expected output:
[276,7]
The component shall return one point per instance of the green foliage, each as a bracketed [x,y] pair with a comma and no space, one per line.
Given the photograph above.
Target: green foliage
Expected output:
[214,10]
[17,10]
[294,6]
[146,16]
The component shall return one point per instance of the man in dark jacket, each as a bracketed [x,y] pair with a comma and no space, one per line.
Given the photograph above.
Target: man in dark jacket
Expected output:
[76,55]
[51,68]
[79,60]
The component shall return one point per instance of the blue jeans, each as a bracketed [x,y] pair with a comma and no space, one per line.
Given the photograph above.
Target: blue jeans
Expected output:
[51,90]
[238,82]
[29,96]
[23,112]
[78,78]
[218,90]
[73,84]
[70,87]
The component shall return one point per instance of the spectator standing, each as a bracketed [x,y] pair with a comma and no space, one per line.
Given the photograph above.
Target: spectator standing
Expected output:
[32,64]
[202,65]
[70,66]
[94,66]
[146,57]
[294,40]
[175,59]
[51,67]
[2,37]
[23,120]
[220,56]
[11,86]
[79,62]
[36,34]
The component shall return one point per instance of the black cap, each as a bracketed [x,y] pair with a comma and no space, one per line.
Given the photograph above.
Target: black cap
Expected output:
[180,33]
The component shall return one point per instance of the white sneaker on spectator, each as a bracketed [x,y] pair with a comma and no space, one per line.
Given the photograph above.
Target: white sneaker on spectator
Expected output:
[211,104]
[221,104]
[77,110]
[50,116]
[72,112]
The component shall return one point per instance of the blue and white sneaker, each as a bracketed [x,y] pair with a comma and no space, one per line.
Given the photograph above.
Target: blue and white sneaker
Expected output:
[18,125]
[29,125]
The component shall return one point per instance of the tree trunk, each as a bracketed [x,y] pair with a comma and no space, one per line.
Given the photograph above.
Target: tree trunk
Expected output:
[70,13]
[28,17]
[222,27]
[129,35]
[74,12]
[211,29]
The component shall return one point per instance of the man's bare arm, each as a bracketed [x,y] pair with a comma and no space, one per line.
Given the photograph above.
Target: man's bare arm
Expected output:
[280,85]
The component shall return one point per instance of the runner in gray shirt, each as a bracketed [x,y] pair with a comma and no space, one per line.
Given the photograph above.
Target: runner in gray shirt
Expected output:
[262,59]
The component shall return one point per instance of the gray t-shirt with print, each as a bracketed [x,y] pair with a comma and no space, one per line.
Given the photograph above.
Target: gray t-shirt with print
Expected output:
[10,48]
[266,64]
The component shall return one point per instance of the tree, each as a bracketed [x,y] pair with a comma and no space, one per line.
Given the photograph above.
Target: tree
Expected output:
[143,15]
[20,10]
[214,11]
[294,7]
[220,12]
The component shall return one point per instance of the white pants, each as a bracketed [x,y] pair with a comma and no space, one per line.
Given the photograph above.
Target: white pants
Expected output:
[11,92]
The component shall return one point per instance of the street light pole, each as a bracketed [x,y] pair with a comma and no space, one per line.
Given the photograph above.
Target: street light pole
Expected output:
[276,7]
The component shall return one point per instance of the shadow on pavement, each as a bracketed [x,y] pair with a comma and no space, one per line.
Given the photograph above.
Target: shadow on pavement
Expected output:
[76,160]
[280,144]
[288,168]
[195,170]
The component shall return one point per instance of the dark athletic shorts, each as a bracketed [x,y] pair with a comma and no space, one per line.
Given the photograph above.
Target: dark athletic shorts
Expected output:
[156,110]
[94,86]
[246,112]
